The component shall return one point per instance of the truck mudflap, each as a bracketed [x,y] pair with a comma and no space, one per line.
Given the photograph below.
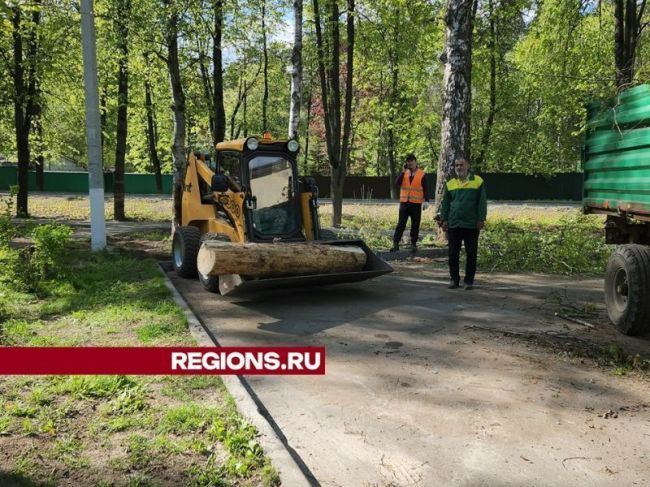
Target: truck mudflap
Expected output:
[233,284]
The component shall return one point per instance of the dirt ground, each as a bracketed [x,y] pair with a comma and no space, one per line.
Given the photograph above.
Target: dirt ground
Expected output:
[428,386]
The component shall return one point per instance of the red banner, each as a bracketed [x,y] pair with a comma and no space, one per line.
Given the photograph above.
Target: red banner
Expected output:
[162,361]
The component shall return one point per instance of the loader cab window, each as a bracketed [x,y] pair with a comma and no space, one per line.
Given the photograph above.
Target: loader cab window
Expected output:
[230,164]
[272,187]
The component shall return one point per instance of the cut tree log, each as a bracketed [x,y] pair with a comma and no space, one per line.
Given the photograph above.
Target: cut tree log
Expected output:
[278,259]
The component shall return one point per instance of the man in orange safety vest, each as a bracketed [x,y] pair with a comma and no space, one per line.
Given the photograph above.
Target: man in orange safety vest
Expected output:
[413,198]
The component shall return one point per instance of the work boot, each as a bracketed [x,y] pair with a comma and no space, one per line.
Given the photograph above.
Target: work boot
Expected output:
[395,247]
[453,285]
[414,247]
[469,286]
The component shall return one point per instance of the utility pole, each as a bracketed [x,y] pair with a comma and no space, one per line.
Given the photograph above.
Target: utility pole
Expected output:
[93,129]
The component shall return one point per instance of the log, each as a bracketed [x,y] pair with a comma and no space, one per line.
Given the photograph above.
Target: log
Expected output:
[277,259]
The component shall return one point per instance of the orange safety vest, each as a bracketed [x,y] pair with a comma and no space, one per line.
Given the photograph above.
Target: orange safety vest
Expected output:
[411,191]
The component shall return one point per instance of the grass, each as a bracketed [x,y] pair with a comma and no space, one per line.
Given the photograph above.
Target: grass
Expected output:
[77,207]
[517,238]
[115,430]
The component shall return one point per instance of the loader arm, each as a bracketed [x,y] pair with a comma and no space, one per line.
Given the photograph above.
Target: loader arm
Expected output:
[211,211]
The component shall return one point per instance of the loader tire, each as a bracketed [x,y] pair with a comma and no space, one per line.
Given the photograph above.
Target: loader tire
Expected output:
[211,283]
[185,248]
[627,287]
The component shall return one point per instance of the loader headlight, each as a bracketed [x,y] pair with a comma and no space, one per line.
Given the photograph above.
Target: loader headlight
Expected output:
[252,143]
[293,145]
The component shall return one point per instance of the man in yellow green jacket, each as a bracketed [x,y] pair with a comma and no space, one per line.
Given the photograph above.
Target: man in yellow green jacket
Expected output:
[462,212]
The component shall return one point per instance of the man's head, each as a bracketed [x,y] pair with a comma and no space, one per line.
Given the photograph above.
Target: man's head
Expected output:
[411,162]
[461,166]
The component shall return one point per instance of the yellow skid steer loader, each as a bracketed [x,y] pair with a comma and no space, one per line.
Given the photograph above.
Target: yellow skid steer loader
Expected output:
[252,193]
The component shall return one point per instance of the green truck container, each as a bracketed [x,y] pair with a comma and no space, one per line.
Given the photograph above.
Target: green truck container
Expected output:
[616,163]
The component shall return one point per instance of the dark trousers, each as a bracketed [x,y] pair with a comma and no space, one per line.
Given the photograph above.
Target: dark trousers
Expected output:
[456,236]
[406,211]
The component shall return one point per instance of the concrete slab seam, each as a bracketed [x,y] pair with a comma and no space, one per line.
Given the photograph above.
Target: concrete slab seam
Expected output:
[289,471]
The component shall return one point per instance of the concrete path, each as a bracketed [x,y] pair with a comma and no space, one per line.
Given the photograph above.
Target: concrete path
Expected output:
[423,388]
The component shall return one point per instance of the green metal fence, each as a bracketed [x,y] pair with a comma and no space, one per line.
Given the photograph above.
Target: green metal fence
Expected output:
[500,186]
[77,182]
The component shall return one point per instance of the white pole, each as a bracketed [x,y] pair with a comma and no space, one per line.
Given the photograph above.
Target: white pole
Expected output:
[93,129]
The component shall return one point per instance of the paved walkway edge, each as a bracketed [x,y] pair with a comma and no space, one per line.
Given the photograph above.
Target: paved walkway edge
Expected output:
[285,464]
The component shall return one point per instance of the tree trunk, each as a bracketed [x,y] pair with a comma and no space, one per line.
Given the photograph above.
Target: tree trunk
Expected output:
[489,123]
[347,112]
[305,156]
[178,107]
[393,62]
[38,132]
[265,97]
[278,259]
[455,134]
[152,133]
[24,81]
[296,71]
[217,75]
[338,147]
[103,114]
[627,29]
[122,35]
[208,92]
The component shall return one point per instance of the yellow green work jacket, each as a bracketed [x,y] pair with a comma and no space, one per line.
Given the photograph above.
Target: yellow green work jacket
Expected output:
[464,204]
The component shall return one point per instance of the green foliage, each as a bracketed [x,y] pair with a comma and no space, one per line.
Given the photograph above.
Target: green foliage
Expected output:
[550,57]
[50,243]
[7,227]
[574,245]
[28,268]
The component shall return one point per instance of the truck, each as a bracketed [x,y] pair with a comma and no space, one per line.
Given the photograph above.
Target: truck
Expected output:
[616,166]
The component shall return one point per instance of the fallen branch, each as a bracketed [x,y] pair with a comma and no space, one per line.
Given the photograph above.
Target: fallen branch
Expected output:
[575,320]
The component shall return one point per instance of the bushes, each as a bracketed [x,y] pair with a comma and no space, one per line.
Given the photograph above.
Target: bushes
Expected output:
[25,269]
[575,244]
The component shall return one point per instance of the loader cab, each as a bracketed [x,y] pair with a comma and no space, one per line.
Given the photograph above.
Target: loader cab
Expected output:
[267,171]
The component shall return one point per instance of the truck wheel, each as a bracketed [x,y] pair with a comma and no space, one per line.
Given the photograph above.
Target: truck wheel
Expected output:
[211,283]
[185,248]
[627,287]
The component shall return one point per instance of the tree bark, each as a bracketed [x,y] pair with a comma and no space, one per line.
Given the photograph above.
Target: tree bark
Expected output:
[152,131]
[455,127]
[489,123]
[305,156]
[123,13]
[265,97]
[278,259]
[38,132]
[103,114]
[217,75]
[393,62]
[178,106]
[24,81]
[338,146]
[296,71]
[627,29]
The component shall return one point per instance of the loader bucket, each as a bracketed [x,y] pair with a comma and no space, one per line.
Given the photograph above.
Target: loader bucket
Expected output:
[234,284]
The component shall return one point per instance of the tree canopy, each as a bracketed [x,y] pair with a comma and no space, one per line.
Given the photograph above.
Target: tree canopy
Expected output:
[534,67]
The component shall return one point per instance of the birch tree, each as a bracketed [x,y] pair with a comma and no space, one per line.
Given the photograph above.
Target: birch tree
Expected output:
[455,129]
[296,71]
